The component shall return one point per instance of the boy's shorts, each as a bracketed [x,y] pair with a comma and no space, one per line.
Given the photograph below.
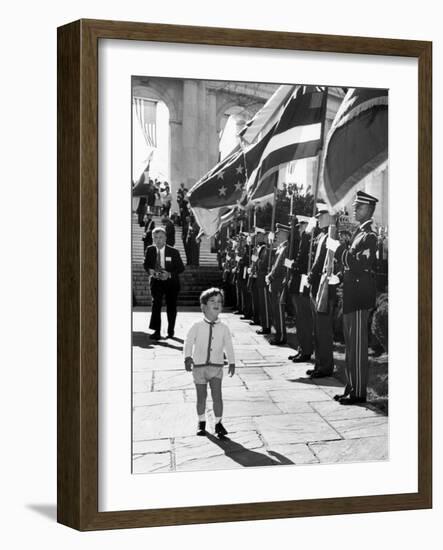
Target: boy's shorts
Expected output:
[203,374]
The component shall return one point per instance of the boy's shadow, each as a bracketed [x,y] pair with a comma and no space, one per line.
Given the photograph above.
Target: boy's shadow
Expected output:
[246,457]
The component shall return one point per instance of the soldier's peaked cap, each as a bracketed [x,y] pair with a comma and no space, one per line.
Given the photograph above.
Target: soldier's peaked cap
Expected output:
[364,198]
[282,227]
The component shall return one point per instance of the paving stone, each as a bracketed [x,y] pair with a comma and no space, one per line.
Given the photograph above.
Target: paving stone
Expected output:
[151,446]
[141,381]
[300,395]
[242,402]
[239,424]
[294,428]
[361,427]
[152,463]
[172,380]
[155,398]
[297,453]
[352,450]
[163,421]
[332,410]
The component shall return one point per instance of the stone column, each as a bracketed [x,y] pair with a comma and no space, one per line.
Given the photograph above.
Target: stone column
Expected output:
[190,132]
[213,140]
[176,159]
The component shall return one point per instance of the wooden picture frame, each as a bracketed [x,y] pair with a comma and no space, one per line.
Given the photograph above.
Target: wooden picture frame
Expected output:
[77,459]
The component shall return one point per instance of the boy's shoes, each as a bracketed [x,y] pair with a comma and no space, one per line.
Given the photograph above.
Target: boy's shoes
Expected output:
[220,430]
[201,430]
[171,334]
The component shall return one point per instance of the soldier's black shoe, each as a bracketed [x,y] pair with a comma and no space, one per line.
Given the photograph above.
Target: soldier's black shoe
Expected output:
[201,429]
[349,400]
[302,359]
[220,430]
[337,397]
[320,374]
[155,336]
[263,331]
[277,342]
[253,323]
[309,372]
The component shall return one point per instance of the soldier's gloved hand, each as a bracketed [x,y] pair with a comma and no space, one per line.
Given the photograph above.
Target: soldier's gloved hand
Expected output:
[189,363]
[231,369]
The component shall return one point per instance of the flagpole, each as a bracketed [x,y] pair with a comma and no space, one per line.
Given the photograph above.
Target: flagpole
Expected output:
[274,208]
[317,182]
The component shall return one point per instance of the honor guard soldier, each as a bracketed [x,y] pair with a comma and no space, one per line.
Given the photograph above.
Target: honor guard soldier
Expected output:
[299,293]
[252,279]
[275,282]
[262,290]
[359,295]
[322,321]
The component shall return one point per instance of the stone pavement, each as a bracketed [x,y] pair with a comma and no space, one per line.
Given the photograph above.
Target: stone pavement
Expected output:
[274,414]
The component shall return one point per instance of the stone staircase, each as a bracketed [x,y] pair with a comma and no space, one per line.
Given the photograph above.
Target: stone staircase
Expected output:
[193,281]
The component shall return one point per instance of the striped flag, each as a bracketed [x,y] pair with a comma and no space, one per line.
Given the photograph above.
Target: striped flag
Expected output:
[356,144]
[224,186]
[297,135]
[146,113]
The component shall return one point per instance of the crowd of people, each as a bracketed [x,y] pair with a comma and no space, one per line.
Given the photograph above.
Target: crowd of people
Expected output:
[265,275]
[157,203]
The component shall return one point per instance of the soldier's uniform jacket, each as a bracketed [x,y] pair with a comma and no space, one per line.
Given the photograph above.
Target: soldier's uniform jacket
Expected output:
[358,261]
[278,271]
[300,265]
[318,264]
[262,264]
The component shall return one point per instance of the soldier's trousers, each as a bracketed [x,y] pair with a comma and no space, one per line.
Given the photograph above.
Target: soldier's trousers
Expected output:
[303,322]
[246,299]
[323,337]
[355,328]
[264,305]
[255,302]
[278,312]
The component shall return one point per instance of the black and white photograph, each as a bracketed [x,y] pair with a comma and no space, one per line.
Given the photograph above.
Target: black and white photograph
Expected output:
[260,251]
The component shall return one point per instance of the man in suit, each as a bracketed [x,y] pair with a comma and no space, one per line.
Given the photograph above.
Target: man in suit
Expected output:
[359,295]
[163,264]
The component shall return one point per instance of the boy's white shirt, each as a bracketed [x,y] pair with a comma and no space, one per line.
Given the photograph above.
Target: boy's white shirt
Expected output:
[197,343]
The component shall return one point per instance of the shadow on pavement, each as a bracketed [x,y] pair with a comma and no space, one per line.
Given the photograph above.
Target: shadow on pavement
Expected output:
[167,345]
[246,457]
[141,340]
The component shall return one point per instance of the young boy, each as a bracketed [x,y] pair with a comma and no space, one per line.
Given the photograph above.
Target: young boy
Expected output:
[206,343]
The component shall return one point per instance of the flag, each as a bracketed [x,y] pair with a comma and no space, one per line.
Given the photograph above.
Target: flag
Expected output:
[297,135]
[356,144]
[224,186]
[144,135]
[146,113]
[250,132]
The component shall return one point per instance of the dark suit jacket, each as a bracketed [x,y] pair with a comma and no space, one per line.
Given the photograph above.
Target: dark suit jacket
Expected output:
[173,264]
